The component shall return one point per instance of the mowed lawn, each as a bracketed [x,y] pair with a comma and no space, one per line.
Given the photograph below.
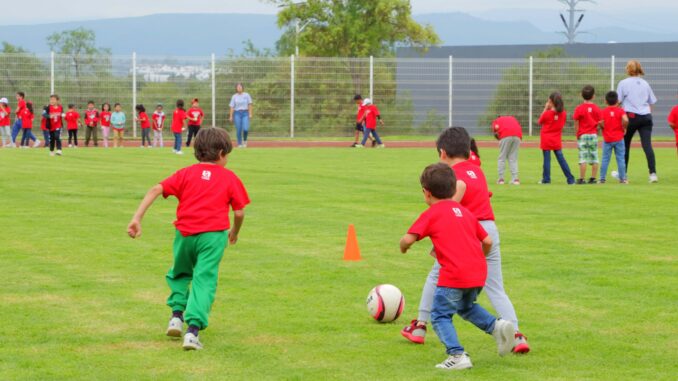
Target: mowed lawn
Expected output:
[592,271]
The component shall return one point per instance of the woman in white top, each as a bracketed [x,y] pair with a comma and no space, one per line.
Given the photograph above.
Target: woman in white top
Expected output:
[241,113]
[636,97]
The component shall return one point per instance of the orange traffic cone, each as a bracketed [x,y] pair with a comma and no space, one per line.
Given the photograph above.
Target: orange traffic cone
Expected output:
[352,251]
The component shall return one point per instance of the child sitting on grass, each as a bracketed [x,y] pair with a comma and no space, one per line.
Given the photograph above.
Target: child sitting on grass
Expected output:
[206,191]
[460,244]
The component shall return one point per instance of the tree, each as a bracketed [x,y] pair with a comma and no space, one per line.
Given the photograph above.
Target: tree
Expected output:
[351,28]
[23,71]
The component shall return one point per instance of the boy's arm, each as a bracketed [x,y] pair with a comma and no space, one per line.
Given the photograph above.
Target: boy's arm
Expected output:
[625,122]
[576,125]
[487,245]
[238,218]
[461,191]
[407,241]
[134,227]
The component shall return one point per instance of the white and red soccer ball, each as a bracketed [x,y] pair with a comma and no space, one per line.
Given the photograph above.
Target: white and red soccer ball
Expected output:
[385,303]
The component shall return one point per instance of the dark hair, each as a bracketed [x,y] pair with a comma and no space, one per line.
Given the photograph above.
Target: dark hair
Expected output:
[180,103]
[241,85]
[90,103]
[611,98]
[55,96]
[557,101]
[211,143]
[159,105]
[104,105]
[358,97]
[116,105]
[195,100]
[21,94]
[455,141]
[474,147]
[439,179]
[29,106]
[71,105]
[588,92]
[140,108]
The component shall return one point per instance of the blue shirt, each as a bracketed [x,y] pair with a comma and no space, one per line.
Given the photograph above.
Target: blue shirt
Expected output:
[118,119]
[240,102]
[636,95]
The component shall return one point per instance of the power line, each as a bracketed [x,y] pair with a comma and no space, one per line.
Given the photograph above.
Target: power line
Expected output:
[572,23]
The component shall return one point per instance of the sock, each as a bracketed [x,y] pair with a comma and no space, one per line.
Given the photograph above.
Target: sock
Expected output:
[178,314]
[193,329]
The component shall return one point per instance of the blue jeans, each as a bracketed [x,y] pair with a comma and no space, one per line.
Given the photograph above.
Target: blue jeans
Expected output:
[462,301]
[241,119]
[619,153]
[45,135]
[369,131]
[177,141]
[17,127]
[546,174]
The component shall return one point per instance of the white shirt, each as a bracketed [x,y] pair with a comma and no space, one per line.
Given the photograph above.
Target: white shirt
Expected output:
[636,95]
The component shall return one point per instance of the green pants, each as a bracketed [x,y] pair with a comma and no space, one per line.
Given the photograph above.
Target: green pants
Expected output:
[193,277]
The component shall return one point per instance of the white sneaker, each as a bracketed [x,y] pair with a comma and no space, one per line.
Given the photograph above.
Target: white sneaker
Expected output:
[174,151]
[241,146]
[59,152]
[70,146]
[456,362]
[504,333]
[37,143]
[175,327]
[244,145]
[191,342]
[180,152]
[51,154]
[381,146]
[653,178]
[359,146]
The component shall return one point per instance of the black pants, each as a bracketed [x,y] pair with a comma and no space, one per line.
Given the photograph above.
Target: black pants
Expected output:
[643,124]
[73,137]
[55,139]
[145,136]
[192,131]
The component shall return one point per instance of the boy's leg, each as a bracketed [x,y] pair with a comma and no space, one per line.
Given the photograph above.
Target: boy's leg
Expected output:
[564,167]
[593,152]
[376,136]
[32,137]
[619,152]
[209,249]
[180,275]
[88,135]
[546,170]
[582,149]
[16,128]
[75,137]
[445,305]
[513,157]
[366,134]
[472,312]
[504,146]
[427,293]
[45,135]
[57,137]
[607,153]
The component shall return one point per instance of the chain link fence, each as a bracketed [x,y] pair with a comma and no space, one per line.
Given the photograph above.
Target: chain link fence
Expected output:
[313,97]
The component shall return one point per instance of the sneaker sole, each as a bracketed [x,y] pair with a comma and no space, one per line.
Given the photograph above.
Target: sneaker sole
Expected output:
[191,347]
[461,367]
[173,332]
[414,339]
[507,335]
[521,349]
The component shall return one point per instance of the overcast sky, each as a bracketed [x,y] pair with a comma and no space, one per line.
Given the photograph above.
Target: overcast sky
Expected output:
[41,11]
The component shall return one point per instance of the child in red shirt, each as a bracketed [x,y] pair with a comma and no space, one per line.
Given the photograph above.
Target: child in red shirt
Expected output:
[508,131]
[178,125]
[614,124]
[145,123]
[194,116]
[105,122]
[5,130]
[56,113]
[206,191]
[72,124]
[474,157]
[158,125]
[552,122]
[91,124]
[460,245]
[586,119]
[26,124]
[673,123]
[370,117]
[359,121]
[44,125]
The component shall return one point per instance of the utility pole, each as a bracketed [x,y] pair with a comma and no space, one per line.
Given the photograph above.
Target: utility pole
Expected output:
[571,26]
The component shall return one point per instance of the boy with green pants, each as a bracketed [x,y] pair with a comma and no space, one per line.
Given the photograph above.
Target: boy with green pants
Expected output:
[206,191]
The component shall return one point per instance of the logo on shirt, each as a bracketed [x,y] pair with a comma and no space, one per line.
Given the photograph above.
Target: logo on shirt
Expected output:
[590,110]
[471,174]
[457,212]
[612,114]
[206,175]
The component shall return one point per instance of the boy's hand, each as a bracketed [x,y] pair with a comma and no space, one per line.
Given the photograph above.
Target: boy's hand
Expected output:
[232,238]
[134,229]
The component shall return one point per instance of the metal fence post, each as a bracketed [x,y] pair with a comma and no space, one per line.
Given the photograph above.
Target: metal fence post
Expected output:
[51,73]
[531,93]
[214,92]
[449,94]
[372,78]
[292,96]
[134,92]
[612,65]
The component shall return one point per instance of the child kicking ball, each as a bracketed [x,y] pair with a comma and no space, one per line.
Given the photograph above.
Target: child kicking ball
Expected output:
[206,191]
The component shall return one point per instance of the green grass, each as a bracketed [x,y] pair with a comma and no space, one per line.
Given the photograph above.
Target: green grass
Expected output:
[590,269]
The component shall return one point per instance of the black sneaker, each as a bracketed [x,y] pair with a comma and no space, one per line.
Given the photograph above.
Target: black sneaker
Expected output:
[581,181]
[374,143]
[602,181]
[354,144]
[592,180]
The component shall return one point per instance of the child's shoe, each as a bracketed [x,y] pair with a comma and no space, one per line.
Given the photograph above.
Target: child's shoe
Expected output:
[581,181]
[504,334]
[515,182]
[381,146]
[191,342]
[51,153]
[592,180]
[520,344]
[359,146]
[59,152]
[456,362]
[374,143]
[175,327]
[625,181]
[653,178]
[415,332]
[37,143]
[180,152]
[353,145]
[501,182]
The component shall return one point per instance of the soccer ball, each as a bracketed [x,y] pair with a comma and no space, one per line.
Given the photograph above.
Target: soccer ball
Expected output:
[615,175]
[385,303]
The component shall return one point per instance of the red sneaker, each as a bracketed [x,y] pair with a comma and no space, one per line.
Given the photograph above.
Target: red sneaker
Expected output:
[414,332]
[521,346]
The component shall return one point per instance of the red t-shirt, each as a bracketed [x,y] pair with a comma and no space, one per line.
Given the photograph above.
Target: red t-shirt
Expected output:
[552,124]
[474,159]
[91,118]
[455,233]
[371,113]
[55,113]
[26,118]
[158,120]
[613,130]
[72,118]
[360,115]
[105,118]
[205,193]
[195,112]
[5,116]
[477,195]
[506,126]
[178,120]
[588,115]
[673,118]
[20,106]
[144,120]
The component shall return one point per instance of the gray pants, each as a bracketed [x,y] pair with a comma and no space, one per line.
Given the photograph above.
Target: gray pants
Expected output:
[508,150]
[494,285]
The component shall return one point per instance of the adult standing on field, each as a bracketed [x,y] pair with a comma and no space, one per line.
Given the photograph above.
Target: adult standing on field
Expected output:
[241,113]
[636,98]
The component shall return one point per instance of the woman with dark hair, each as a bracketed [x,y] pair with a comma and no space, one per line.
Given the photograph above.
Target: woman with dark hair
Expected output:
[241,113]
[552,121]
[636,98]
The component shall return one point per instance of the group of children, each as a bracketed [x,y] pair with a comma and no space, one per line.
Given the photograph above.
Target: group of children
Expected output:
[367,118]
[54,118]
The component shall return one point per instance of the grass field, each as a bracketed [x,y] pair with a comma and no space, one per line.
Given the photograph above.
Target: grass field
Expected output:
[592,271]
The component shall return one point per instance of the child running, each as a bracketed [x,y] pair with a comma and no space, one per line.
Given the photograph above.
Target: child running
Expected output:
[106,122]
[508,131]
[118,120]
[552,122]
[91,124]
[614,125]
[194,116]
[56,112]
[158,125]
[206,191]
[5,129]
[586,119]
[145,124]
[27,117]
[72,124]
[178,125]
[472,192]
[370,116]
[460,244]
